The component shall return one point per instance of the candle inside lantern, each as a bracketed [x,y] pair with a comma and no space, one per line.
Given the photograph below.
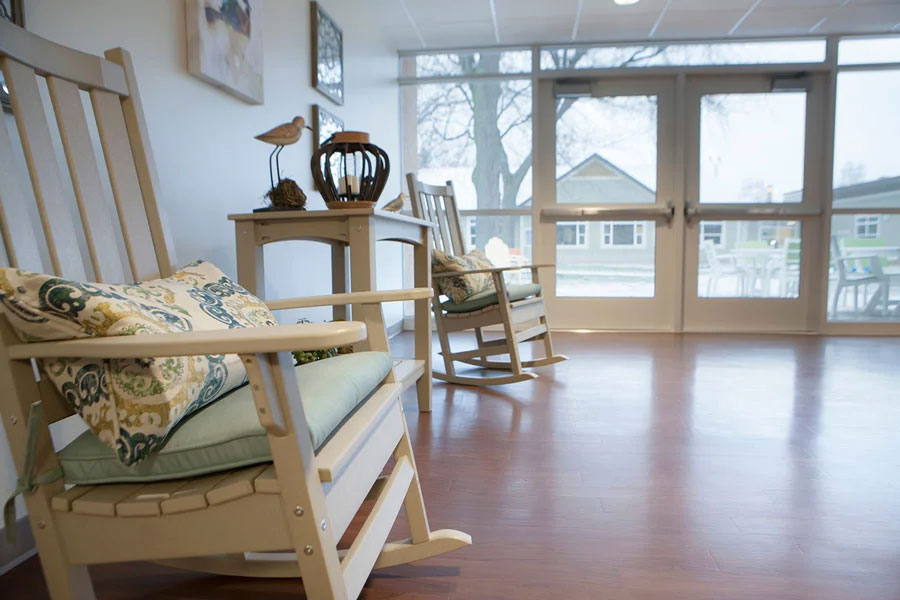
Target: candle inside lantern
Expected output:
[348,182]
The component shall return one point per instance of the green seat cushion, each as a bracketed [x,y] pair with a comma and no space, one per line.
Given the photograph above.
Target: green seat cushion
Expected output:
[517,291]
[227,434]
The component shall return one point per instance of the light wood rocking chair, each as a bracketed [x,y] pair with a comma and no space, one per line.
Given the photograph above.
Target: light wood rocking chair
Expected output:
[518,308]
[302,502]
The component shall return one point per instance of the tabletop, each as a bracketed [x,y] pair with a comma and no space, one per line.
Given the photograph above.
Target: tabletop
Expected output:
[311,215]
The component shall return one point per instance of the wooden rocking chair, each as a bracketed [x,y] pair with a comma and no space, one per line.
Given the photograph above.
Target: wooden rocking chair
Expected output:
[519,308]
[301,502]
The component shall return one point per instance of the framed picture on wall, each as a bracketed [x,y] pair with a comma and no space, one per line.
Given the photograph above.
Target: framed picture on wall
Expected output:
[13,11]
[324,125]
[225,45]
[327,54]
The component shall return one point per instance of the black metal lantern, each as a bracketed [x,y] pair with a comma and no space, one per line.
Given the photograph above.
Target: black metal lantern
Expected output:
[349,171]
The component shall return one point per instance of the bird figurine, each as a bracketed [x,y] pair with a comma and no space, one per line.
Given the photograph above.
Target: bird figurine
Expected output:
[281,136]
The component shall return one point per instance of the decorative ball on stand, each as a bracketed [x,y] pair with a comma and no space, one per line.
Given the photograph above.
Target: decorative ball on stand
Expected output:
[350,171]
[284,193]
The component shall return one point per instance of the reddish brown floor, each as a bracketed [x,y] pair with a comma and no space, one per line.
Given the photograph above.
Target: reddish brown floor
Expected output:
[648,466]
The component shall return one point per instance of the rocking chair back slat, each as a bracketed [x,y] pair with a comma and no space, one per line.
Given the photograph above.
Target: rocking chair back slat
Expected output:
[125,185]
[34,132]
[89,195]
[437,204]
[19,240]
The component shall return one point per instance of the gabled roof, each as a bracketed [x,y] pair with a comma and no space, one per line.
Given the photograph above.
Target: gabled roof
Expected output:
[867,188]
[595,160]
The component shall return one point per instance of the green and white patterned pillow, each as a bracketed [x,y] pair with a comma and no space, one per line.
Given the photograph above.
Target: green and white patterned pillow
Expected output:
[461,288]
[133,404]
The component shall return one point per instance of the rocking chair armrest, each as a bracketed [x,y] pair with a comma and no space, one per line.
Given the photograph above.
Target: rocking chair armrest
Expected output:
[374,297]
[250,340]
[492,270]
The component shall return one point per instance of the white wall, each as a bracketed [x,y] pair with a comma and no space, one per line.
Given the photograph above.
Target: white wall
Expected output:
[209,164]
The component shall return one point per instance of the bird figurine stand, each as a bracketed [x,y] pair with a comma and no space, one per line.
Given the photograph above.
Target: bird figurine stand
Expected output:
[284,193]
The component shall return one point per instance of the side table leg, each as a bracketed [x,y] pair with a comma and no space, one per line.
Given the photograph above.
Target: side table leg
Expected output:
[339,278]
[250,265]
[422,279]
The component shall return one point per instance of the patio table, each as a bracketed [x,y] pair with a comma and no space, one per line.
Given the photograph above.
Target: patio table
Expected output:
[759,263]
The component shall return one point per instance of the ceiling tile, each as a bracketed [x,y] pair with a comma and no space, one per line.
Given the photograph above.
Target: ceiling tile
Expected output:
[633,27]
[608,8]
[536,9]
[449,35]
[439,11]
[860,18]
[525,31]
[776,21]
[678,24]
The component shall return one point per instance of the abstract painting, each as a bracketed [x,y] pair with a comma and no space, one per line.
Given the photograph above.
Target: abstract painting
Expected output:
[225,45]
[327,54]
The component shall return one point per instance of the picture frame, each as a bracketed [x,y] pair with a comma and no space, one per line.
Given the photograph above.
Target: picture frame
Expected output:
[324,125]
[327,54]
[14,12]
[225,45]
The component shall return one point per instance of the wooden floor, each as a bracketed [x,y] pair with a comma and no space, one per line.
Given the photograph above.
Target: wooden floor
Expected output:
[648,466]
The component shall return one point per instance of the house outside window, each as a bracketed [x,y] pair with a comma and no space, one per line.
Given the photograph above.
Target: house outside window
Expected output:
[627,234]
[571,234]
[867,226]
[776,232]
[713,231]
[472,232]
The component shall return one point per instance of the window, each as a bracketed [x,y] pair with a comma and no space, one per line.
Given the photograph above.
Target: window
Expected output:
[713,231]
[657,55]
[867,226]
[465,62]
[857,51]
[472,231]
[867,126]
[624,233]
[571,234]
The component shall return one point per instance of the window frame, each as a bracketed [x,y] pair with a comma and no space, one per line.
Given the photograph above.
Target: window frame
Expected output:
[705,236]
[634,234]
[867,221]
[582,239]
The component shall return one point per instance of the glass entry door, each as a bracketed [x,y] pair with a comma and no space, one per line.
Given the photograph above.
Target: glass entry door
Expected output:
[753,203]
[606,217]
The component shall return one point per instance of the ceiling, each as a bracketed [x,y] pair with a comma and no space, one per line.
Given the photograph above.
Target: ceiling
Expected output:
[422,24]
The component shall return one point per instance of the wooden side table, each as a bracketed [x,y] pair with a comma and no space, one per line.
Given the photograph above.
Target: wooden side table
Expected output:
[356,231]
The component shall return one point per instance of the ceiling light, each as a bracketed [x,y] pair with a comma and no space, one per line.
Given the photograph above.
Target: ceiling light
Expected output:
[626,2]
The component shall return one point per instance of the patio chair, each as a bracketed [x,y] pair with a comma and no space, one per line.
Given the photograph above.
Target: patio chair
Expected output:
[518,308]
[859,270]
[300,501]
[788,267]
[721,265]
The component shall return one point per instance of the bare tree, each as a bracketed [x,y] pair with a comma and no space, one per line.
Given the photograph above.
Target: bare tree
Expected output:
[492,117]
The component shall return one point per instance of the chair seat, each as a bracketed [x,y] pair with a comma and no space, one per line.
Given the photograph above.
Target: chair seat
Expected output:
[517,291]
[227,434]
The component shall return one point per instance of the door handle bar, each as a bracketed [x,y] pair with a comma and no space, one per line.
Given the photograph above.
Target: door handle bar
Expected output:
[609,213]
[750,213]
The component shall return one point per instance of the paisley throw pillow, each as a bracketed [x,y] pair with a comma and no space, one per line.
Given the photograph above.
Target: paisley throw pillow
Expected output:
[459,289]
[133,404]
